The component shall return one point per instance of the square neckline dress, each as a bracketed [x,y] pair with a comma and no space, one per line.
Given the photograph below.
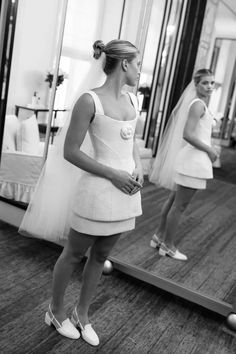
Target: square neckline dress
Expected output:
[99,208]
[193,166]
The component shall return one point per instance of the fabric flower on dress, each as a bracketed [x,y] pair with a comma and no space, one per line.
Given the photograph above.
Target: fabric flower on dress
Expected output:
[127,132]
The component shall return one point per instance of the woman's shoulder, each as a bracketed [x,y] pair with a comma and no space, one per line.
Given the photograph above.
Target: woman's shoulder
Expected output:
[132,97]
[197,108]
[197,105]
[99,91]
[131,94]
[197,101]
[84,102]
[85,98]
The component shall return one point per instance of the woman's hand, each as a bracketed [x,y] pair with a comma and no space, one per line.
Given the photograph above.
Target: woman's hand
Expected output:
[138,176]
[125,182]
[213,154]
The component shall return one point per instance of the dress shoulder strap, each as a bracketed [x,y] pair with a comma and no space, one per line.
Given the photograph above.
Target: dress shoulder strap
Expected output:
[134,100]
[195,100]
[97,102]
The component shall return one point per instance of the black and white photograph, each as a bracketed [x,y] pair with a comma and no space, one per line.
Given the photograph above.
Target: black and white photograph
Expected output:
[118,176]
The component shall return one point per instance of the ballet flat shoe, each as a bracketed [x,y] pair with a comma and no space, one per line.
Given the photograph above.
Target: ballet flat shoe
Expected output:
[164,251]
[87,331]
[66,328]
[155,241]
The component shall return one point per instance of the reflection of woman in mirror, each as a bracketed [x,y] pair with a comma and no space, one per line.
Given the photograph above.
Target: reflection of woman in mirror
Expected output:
[106,197]
[184,160]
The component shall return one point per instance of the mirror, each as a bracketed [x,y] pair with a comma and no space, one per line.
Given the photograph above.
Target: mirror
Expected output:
[207,229]
[33,59]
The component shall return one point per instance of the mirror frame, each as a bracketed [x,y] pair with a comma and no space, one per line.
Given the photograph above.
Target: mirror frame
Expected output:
[8,14]
[221,307]
[214,61]
[213,304]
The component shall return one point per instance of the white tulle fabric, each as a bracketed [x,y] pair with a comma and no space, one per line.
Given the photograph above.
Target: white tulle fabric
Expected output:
[163,169]
[49,212]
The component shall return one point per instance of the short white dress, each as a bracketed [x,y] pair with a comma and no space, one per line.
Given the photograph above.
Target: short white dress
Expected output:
[99,207]
[193,167]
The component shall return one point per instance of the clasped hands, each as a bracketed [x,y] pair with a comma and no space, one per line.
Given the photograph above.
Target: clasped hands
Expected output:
[127,183]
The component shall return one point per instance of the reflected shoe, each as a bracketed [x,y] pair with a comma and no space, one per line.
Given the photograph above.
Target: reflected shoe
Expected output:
[155,241]
[66,328]
[87,331]
[164,251]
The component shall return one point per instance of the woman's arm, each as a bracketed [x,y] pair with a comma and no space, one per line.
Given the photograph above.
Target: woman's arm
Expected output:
[196,111]
[138,172]
[81,117]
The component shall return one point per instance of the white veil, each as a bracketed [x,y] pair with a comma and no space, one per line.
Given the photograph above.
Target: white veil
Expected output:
[163,169]
[48,213]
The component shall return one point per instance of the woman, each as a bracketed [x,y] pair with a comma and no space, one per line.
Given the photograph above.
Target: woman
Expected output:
[184,160]
[106,197]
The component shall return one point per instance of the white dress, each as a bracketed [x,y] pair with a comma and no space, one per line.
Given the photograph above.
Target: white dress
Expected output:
[193,166]
[99,207]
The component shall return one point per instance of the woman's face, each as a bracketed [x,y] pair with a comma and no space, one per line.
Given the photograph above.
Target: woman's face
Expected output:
[133,71]
[205,86]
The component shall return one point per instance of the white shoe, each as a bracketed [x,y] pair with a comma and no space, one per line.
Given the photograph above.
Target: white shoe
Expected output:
[66,328]
[164,251]
[155,241]
[87,331]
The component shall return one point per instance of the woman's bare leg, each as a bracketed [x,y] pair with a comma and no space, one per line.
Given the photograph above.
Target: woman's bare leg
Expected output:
[181,201]
[73,252]
[164,212]
[92,273]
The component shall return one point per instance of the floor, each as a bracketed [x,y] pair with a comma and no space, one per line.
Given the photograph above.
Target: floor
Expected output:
[206,235]
[129,316]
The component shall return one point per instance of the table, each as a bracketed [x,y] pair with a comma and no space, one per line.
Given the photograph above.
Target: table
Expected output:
[42,126]
[43,129]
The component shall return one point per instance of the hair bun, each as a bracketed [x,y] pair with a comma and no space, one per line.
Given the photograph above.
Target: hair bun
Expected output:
[98,48]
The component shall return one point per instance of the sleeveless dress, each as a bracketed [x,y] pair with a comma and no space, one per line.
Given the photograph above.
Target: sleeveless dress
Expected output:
[99,208]
[193,166]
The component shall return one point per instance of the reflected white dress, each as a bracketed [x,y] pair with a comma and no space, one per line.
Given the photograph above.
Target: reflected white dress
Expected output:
[99,208]
[193,167]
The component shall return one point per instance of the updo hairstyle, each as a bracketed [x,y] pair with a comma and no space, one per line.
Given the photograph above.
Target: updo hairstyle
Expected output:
[200,73]
[115,51]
